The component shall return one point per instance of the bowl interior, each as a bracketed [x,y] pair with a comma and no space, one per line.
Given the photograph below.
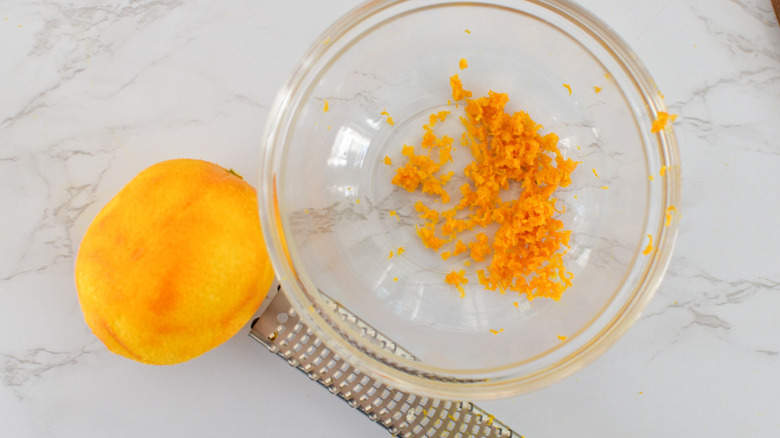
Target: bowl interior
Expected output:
[334,197]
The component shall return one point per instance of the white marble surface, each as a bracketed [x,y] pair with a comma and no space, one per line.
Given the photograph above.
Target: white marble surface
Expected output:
[91,92]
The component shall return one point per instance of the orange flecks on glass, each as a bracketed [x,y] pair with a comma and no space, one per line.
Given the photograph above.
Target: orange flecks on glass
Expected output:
[458,93]
[562,210]
[597,89]
[460,248]
[357,201]
[463,63]
[400,250]
[325,107]
[457,279]
[516,304]
[568,87]
[525,253]
[393,213]
[388,161]
[468,31]
[649,247]
[480,248]
[419,170]
[429,239]
[607,76]
[389,119]
[467,263]
[391,254]
[495,332]
[562,338]
[662,172]
[436,117]
[661,121]
[395,278]
[597,175]
[445,255]
[428,214]
[669,210]
[650,177]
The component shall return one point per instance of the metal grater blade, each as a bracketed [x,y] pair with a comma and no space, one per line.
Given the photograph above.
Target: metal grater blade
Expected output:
[403,414]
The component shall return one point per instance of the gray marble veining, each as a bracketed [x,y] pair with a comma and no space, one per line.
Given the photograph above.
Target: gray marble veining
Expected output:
[96,91]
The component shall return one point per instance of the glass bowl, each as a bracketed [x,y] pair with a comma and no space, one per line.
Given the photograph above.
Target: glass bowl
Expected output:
[326,196]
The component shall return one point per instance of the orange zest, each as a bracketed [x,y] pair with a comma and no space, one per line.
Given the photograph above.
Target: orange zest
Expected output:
[389,119]
[525,254]
[661,121]
[457,278]
[649,247]
[669,211]
[458,93]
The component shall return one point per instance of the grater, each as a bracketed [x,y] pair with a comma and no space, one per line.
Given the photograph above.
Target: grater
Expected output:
[403,414]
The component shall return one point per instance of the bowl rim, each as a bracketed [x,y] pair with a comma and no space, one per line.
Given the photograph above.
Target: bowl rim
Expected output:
[383,365]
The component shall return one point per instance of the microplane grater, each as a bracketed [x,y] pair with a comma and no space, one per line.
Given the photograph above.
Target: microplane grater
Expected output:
[403,414]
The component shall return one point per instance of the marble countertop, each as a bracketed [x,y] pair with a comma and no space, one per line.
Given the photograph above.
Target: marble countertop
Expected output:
[95,91]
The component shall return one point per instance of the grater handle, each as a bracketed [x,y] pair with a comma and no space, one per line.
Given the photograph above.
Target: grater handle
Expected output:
[403,414]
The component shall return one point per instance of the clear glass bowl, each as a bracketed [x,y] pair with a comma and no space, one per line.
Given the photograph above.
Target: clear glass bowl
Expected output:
[326,193]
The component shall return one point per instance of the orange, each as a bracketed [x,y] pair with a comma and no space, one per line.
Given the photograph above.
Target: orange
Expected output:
[175,264]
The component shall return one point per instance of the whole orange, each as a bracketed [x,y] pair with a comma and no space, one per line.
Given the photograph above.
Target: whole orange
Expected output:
[175,264]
